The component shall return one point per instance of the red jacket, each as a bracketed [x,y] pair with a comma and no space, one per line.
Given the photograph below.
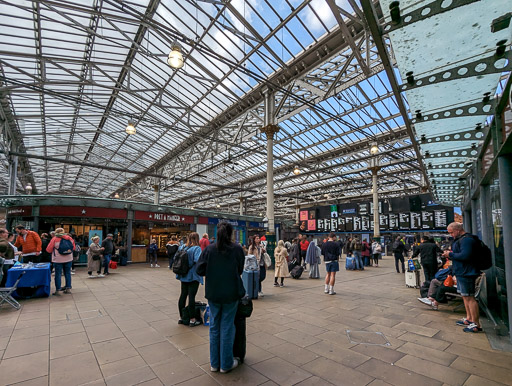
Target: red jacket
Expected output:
[31,244]
[203,243]
[304,245]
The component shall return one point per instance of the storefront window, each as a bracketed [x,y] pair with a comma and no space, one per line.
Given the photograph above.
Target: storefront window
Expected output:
[499,252]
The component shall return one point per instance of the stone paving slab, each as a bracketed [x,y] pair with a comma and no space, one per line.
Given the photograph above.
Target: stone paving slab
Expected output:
[296,336]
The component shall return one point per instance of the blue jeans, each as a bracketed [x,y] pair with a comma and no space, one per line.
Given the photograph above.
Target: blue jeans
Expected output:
[222,334]
[58,273]
[106,262]
[366,261]
[358,260]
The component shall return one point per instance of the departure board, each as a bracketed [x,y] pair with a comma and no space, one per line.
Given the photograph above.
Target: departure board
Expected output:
[383,222]
[363,208]
[357,223]
[341,224]
[440,218]
[427,220]
[349,224]
[393,222]
[405,220]
[320,224]
[365,223]
[415,220]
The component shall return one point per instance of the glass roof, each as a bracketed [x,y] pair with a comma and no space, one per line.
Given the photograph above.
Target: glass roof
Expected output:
[438,49]
[74,73]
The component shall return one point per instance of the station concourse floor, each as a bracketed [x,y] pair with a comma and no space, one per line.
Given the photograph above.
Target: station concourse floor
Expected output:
[122,330]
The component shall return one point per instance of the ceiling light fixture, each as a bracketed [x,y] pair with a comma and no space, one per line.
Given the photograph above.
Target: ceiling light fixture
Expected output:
[116,195]
[175,59]
[296,170]
[374,149]
[130,128]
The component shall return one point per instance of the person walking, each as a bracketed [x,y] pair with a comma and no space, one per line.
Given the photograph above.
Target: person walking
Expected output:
[94,257]
[256,250]
[428,252]
[222,264]
[463,254]
[190,282]
[331,252]
[399,250]
[108,248]
[313,259]
[61,248]
[204,242]
[153,254]
[356,247]
[376,252]
[304,244]
[281,270]
[294,251]
[365,253]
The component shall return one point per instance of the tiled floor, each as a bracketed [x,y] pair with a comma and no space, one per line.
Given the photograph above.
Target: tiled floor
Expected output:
[297,335]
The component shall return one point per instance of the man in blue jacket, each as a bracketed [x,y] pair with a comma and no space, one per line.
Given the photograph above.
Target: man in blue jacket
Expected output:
[463,256]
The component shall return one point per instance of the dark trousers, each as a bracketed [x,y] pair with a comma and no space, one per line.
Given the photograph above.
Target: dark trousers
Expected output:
[302,257]
[263,275]
[188,289]
[429,270]
[399,256]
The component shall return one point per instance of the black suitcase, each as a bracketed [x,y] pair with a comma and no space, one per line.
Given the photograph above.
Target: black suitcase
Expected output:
[292,264]
[296,272]
[240,343]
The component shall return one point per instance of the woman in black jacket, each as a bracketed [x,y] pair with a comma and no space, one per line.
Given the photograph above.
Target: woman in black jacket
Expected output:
[222,264]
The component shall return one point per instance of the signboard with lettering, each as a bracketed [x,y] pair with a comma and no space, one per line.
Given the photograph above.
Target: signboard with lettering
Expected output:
[440,219]
[427,220]
[82,211]
[357,224]
[341,224]
[164,217]
[405,220]
[303,215]
[20,211]
[415,220]
[393,222]
[383,222]
[365,223]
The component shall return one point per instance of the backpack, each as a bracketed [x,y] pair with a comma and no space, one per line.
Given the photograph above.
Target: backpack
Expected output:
[482,256]
[356,245]
[180,265]
[396,247]
[364,248]
[65,247]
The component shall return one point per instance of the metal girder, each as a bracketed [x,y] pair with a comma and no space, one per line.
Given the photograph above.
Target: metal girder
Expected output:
[372,20]
[472,135]
[492,64]
[431,9]
[484,107]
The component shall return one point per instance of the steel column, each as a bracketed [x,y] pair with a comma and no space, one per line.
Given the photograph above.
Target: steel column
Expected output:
[376,224]
[504,168]
[474,227]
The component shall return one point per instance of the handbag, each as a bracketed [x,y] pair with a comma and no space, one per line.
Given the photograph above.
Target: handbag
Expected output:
[268,261]
[448,282]
[96,257]
[245,308]
[112,264]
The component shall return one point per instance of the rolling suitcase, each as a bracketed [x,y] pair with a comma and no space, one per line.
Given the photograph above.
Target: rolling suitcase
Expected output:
[251,282]
[412,279]
[296,272]
[350,263]
[292,264]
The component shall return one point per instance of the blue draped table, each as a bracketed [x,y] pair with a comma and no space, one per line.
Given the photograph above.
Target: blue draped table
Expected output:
[38,279]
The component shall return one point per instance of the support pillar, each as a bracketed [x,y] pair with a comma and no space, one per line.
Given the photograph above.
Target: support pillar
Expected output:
[504,168]
[129,237]
[376,222]
[269,130]
[488,239]
[13,175]
[474,227]
[466,219]
[241,206]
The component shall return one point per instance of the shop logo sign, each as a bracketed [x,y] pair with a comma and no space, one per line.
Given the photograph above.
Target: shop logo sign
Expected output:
[166,217]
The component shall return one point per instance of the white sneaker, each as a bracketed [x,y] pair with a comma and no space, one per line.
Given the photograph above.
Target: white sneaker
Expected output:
[332,293]
[260,294]
[235,364]
[151,265]
[425,301]
[326,291]
[101,275]
[72,272]
[157,266]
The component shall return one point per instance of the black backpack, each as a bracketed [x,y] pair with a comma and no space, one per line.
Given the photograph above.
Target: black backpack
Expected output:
[396,247]
[65,247]
[180,265]
[482,256]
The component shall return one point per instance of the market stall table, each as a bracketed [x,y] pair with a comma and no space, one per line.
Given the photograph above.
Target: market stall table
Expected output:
[35,283]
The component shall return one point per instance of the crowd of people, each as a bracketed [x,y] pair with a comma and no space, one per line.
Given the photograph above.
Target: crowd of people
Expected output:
[220,265]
